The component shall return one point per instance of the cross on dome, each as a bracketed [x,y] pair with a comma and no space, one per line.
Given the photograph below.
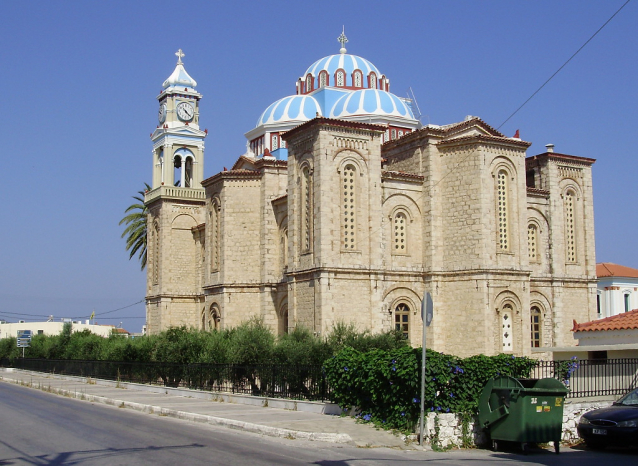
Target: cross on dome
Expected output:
[179,54]
[343,39]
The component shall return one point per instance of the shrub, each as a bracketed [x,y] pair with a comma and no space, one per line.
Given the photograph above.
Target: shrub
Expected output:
[385,385]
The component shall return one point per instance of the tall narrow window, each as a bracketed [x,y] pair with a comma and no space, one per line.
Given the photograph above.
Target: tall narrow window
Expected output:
[358,79]
[216,235]
[274,142]
[502,201]
[156,253]
[323,79]
[532,242]
[400,234]
[402,320]
[188,173]
[373,81]
[626,301]
[340,78]
[598,303]
[570,231]
[506,327]
[349,211]
[536,321]
[306,210]
[308,83]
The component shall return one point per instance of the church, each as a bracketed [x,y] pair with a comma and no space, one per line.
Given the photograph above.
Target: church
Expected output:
[345,208]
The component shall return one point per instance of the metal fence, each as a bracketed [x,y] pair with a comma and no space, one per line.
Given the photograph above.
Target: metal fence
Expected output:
[591,377]
[584,378]
[275,381]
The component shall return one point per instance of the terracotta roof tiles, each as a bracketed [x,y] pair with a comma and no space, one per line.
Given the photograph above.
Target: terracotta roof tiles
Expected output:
[624,321]
[608,269]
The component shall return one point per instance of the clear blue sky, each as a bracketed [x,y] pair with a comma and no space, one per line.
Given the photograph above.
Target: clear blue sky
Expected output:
[80,80]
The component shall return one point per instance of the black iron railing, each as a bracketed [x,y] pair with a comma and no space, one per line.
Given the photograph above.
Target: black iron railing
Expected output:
[591,377]
[275,381]
[584,378]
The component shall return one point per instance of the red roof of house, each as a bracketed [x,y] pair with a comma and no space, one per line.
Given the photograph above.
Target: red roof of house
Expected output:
[624,321]
[607,269]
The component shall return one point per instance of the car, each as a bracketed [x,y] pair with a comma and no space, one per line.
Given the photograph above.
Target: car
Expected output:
[615,425]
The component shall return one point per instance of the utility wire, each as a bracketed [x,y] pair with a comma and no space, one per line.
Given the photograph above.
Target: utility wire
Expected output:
[79,317]
[564,64]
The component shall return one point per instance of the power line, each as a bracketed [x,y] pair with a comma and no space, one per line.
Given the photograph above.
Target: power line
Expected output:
[5,313]
[564,64]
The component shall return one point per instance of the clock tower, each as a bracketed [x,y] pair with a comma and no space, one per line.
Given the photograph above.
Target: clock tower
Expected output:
[178,143]
[176,206]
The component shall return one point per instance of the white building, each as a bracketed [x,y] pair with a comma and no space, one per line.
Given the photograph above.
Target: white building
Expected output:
[53,328]
[617,289]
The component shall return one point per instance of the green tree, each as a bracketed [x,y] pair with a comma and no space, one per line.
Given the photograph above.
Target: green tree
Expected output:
[135,231]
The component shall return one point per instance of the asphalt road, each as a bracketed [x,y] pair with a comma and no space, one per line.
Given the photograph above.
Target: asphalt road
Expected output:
[38,428]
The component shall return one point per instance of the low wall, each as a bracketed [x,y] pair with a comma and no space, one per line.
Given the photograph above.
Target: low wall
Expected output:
[446,430]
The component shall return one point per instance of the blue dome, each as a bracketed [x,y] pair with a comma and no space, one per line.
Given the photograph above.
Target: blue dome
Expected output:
[371,102]
[347,62]
[291,108]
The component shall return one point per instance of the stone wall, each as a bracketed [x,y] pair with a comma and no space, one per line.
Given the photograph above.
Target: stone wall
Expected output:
[450,426]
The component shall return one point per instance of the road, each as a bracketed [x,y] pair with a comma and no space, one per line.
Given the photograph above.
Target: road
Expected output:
[38,428]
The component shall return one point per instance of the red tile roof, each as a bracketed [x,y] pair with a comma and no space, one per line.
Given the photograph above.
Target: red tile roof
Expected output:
[624,321]
[607,269]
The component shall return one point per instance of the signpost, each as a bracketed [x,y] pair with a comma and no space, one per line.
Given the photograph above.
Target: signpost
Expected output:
[24,339]
[427,311]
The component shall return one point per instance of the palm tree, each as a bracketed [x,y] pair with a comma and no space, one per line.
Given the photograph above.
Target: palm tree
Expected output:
[135,230]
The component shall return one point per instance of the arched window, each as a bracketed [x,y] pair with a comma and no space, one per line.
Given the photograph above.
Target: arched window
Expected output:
[570,229]
[308,82]
[156,252]
[506,327]
[400,234]
[357,78]
[402,320]
[323,78]
[537,324]
[215,318]
[188,172]
[306,210]
[386,135]
[177,172]
[340,78]
[532,242]
[372,80]
[215,244]
[348,207]
[283,320]
[502,210]
[283,249]
[393,134]
[183,161]
[274,142]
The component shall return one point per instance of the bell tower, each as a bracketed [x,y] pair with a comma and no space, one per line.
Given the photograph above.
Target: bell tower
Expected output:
[178,143]
[176,207]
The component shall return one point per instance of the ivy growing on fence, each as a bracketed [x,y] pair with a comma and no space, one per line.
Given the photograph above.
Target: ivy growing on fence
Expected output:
[384,386]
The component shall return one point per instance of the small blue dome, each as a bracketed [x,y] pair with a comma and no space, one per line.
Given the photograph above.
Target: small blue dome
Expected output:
[347,62]
[291,108]
[371,102]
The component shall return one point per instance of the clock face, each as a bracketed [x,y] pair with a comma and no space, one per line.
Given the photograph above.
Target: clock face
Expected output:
[161,116]
[185,111]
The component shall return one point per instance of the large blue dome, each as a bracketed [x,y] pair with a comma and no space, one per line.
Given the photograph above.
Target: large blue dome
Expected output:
[292,108]
[346,62]
[373,102]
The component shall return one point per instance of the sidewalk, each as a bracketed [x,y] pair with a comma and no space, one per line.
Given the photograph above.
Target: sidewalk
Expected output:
[267,416]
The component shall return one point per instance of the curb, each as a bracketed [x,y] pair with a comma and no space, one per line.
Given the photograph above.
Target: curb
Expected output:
[193,417]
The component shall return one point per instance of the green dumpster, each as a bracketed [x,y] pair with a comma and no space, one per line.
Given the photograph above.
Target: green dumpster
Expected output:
[522,410]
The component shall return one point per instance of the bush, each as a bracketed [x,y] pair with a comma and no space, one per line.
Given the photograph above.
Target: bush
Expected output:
[385,385]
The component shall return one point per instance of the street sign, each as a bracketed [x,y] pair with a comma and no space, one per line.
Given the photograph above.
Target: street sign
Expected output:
[24,338]
[427,309]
